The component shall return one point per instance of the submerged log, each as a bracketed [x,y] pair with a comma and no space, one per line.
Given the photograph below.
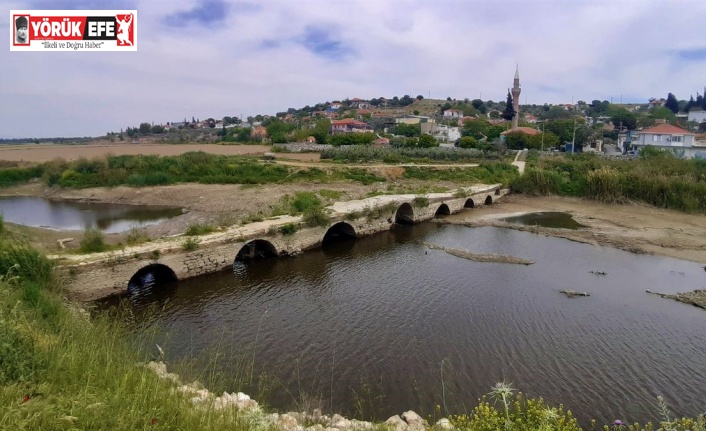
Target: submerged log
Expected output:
[572,293]
[697,298]
[480,257]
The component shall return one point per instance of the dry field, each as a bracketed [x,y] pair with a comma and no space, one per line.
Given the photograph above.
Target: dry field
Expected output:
[44,152]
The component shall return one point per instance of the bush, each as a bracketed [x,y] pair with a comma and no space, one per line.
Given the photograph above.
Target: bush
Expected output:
[421,201]
[196,229]
[190,244]
[304,201]
[316,216]
[289,228]
[93,241]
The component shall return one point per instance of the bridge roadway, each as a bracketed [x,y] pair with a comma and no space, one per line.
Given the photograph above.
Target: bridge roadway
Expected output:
[98,275]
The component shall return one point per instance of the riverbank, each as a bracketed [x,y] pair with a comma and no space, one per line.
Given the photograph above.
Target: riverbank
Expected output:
[637,228]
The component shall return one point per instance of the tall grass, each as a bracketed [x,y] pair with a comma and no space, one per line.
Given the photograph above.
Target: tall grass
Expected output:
[656,179]
[93,241]
[366,153]
[11,176]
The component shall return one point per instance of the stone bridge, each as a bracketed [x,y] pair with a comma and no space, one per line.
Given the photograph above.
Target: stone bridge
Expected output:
[99,275]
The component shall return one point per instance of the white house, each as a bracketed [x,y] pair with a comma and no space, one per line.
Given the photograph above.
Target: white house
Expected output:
[668,137]
[698,116]
[453,113]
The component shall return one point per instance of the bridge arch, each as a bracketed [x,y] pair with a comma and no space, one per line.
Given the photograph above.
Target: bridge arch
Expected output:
[497,192]
[488,200]
[469,203]
[150,276]
[442,210]
[340,231]
[256,249]
[405,214]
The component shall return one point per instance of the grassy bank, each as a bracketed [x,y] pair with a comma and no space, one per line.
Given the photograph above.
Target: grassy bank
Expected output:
[147,170]
[655,178]
[60,371]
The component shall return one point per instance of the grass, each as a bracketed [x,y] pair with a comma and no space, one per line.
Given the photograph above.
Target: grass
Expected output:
[289,228]
[93,241]
[136,235]
[485,173]
[657,178]
[195,229]
[316,216]
[421,201]
[365,153]
[190,244]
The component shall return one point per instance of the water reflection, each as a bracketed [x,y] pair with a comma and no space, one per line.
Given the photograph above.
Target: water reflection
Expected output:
[71,215]
[546,219]
[382,313]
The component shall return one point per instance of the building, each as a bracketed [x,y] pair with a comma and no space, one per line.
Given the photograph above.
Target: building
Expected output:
[698,116]
[668,137]
[526,130]
[258,132]
[655,103]
[453,113]
[349,125]
[516,97]
[412,119]
[335,105]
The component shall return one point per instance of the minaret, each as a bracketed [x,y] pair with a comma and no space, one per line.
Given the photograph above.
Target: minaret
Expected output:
[516,97]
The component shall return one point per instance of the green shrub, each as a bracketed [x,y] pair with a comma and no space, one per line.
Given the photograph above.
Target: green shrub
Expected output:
[421,201]
[93,241]
[195,229]
[136,235]
[289,228]
[330,194]
[362,176]
[190,244]
[18,358]
[304,201]
[2,224]
[316,216]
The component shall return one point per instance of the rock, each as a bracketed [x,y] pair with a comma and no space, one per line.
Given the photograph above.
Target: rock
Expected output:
[317,427]
[338,421]
[287,422]
[395,423]
[361,425]
[443,425]
[272,418]
[414,421]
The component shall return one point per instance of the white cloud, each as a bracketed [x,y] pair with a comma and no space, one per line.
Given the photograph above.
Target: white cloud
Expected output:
[581,49]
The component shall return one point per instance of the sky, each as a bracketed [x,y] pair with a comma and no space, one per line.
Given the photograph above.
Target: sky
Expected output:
[216,58]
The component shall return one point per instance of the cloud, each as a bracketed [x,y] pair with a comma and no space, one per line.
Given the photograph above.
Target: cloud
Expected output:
[205,13]
[320,40]
[269,56]
[696,54]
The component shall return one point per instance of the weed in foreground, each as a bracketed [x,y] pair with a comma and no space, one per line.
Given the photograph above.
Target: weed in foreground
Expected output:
[93,241]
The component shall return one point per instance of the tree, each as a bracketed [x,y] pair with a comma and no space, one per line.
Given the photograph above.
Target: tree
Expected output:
[623,117]
[420,97]
[415,112]
[408,130]
[145,128]
[672,103]
[663,112]
[467,142]
[509,111]
[427,141]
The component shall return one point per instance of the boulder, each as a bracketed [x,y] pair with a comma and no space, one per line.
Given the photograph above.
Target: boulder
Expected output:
[443,425]
[395,423]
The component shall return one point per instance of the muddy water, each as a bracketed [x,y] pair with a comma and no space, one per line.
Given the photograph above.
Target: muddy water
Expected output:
[546,219]
[366,327]
[71,215]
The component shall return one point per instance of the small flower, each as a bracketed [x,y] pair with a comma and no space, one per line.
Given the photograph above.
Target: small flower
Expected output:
[154,421]
[618,423]
[26,398]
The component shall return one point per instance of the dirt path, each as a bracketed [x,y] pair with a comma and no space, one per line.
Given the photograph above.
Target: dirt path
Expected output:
[637,228]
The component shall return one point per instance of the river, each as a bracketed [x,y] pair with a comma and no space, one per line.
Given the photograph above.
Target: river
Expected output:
[383,324]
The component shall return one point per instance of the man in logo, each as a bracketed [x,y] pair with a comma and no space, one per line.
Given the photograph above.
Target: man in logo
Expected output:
[21,34]
[124,29]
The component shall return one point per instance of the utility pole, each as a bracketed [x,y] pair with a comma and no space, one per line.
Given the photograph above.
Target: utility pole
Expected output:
[573,140]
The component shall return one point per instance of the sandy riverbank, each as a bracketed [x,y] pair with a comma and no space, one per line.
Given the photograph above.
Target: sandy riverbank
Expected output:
[635,227]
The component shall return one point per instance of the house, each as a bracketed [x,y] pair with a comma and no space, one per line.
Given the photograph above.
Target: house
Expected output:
[411,119]
[453,113]
[335,105]
[258,132]
[526,130]
[666,137]
[349,125]
[698,116]
[359,103]
[530,119]
[654,103]
[442,132]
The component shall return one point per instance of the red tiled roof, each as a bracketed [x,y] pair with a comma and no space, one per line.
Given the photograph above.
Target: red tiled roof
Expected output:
[526,130]
[355,99]
[666,129]
[347,121]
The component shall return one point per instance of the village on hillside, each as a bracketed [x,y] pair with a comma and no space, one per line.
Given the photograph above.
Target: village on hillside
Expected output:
[598,126]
